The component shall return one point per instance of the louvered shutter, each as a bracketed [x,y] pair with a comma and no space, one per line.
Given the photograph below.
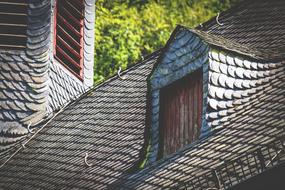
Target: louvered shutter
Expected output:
[69,35]
[13,24]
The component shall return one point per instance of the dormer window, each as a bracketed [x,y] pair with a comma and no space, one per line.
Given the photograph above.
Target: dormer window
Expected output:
[178,91]
[181,112]
[13,24]
[69,35]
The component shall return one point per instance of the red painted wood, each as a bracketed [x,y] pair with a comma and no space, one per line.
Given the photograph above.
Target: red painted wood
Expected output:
[66,45]
[68,38]
[67,57]
[181,112]
[55,28]
[69,26]
[81,42]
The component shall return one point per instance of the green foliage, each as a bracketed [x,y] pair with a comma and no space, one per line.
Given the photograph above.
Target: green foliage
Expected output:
[126,30]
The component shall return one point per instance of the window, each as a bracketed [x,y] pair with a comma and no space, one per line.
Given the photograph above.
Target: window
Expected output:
[69,35]
[13,24]
[181,112]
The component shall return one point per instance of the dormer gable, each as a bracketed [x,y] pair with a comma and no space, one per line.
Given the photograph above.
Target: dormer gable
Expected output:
[178,88]
[229,80]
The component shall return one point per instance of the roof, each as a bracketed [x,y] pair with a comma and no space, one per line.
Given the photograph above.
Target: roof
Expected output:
[107,123]
[255,24]
[258,122]
[23,75]
[32,84]
[243,130]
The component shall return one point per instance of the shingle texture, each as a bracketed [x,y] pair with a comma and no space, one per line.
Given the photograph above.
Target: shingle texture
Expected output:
[253,124]
[184,53]
[245,111]
[24,78]
[108,123]
[255,24]
[246,104]
[63,85]
[32,85]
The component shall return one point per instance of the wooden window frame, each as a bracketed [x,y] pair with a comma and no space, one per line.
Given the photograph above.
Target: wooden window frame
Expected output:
[79,65]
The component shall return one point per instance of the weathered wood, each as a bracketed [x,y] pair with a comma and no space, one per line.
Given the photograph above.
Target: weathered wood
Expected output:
[181,112]
[69,35]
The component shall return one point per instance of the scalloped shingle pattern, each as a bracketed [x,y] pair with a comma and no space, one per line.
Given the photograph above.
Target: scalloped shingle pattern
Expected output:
[246,100]
[31,84]
[24,78]
[108,123]
[255,122]
[232,82]
[64,86]
[245,109]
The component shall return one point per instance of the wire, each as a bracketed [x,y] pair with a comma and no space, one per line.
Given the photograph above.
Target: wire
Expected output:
[273,158]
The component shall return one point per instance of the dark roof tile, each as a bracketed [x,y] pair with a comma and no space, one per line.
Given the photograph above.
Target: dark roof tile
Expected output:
[257,25]
[108,123]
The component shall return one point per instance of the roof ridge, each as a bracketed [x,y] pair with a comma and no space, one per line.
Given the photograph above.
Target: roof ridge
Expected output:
[131,67]
[233,46]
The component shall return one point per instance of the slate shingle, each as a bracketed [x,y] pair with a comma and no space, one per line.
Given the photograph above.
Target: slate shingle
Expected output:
[255,24]
[23,76]
[245,108]
[108,123]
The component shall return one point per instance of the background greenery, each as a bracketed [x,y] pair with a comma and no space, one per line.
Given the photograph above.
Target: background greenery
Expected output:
[127,30]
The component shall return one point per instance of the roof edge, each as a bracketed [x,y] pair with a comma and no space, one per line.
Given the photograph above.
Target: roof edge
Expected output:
[232,46]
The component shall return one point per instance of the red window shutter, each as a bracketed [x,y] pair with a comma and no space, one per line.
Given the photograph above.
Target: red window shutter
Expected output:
[181,112]
[69,35]
[13,24]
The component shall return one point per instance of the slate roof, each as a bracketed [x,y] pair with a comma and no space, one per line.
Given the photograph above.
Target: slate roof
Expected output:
[246,107]
[247,119]
[32,84]
[256,123]
[23,78]
[255,24]
[108,123]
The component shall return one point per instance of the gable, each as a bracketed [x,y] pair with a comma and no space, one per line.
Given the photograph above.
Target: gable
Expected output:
[184,53]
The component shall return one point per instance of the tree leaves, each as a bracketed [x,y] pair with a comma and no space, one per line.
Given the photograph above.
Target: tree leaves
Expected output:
[126,30]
